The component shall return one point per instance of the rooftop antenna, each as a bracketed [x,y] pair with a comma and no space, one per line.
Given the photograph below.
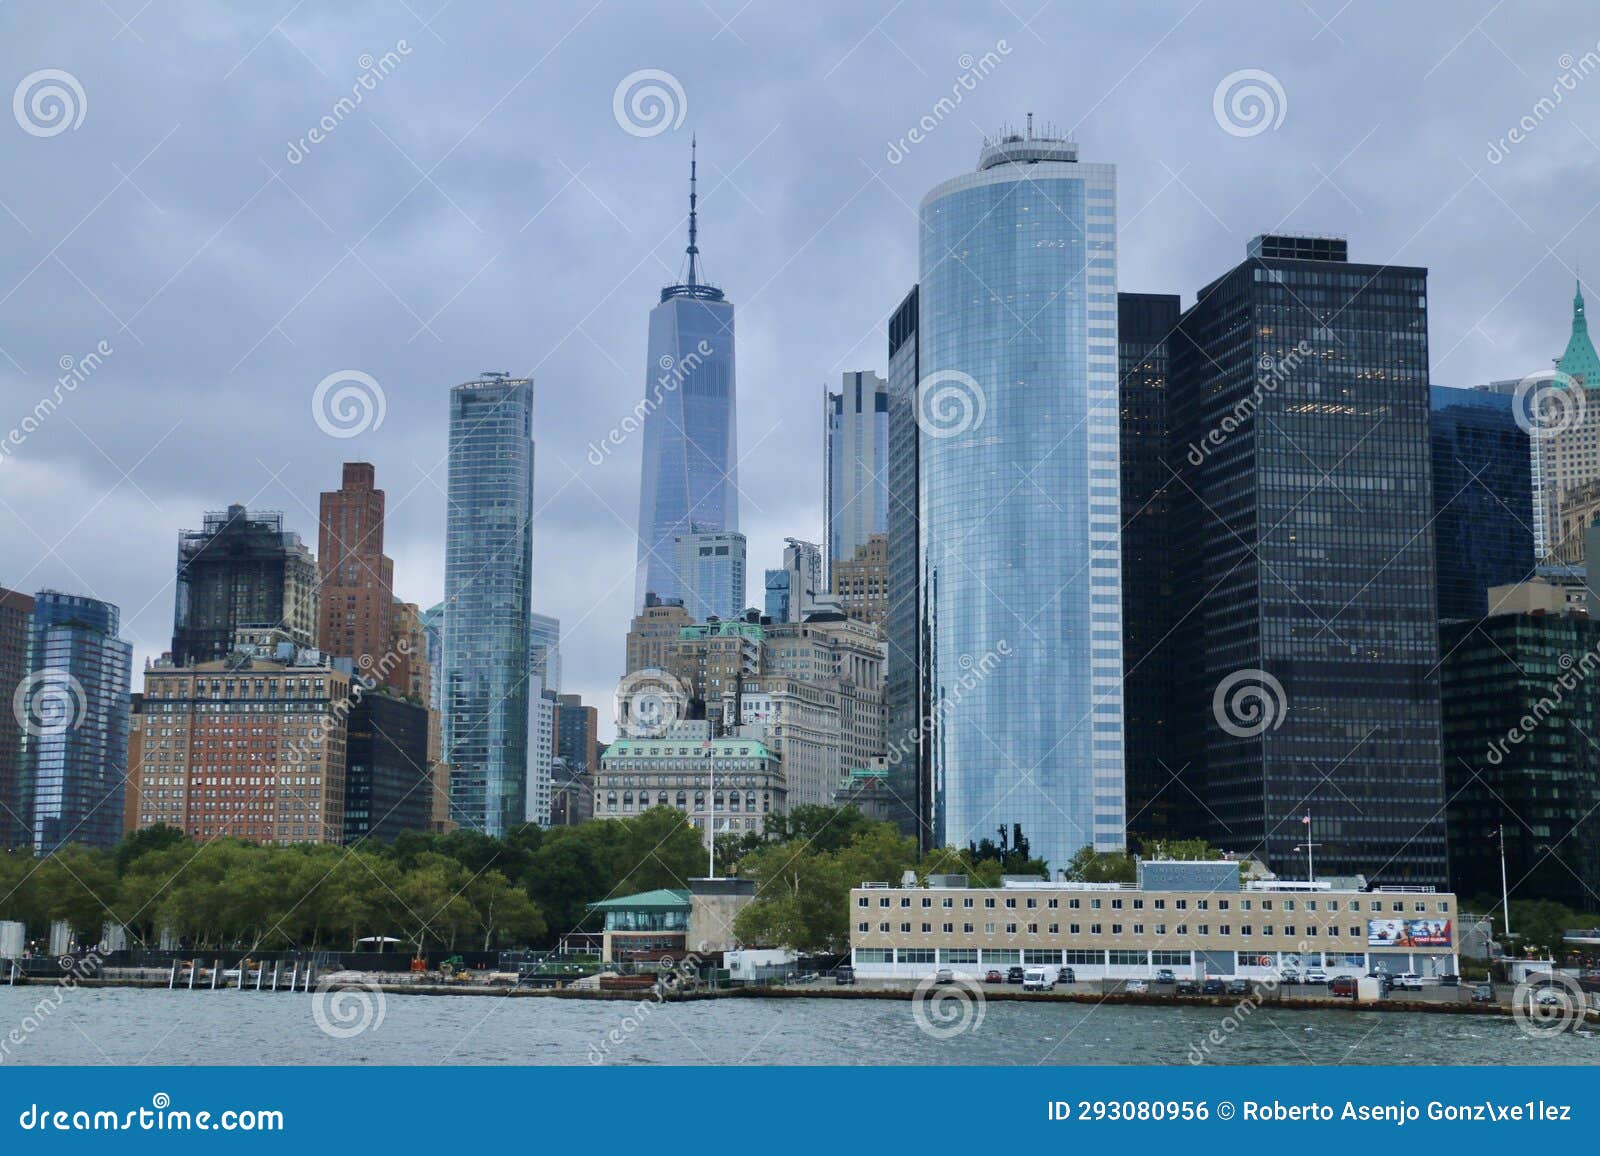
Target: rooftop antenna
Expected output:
[1030,126]
[694,249]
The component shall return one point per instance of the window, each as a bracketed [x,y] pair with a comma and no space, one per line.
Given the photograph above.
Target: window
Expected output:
[959,955]
[863,901]
[947,928]
[1074,928]
[927,929]
[1011,929]
[1128,958]
[1084,958]
[988,929]
[1011,902]
[905,929]
[1094,929]
[874,955]
[1040,955]
[966,929]
[926,901]
[1002,955]
[1055,929]
[863,926]
[989,902]
[915,955]
[1169,958]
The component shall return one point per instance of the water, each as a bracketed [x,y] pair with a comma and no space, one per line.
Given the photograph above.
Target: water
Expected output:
[124,1026]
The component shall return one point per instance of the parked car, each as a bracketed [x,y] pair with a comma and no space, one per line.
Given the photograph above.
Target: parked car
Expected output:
[1186,987]
[1213,987]
[1314,975]
[1288,976]
[1238,987]
[844,974]
[1453,980]
[994,976]
[1549,997]
[1410,981]
[1066,975]
[944,975]
[1165,976]
[1014,975]
[1136,987]
[1343,985]
[1483,993]
[1037,979]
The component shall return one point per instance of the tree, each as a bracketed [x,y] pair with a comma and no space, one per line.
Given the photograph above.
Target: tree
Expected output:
[1091,866]
[143,841]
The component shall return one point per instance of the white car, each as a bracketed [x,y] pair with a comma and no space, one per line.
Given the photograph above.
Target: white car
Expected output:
[1136,987]
[1410,981]
[1314,975]
[944,975]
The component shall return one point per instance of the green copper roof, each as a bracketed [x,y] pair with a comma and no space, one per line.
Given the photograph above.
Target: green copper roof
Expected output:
[663,900]
[1580,362]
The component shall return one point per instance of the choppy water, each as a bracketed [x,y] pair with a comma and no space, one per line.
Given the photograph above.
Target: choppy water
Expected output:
[123,1026]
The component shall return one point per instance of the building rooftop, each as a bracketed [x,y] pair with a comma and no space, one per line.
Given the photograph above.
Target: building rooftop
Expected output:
[663,899]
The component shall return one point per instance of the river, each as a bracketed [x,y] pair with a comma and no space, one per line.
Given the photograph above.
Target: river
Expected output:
[128,1026]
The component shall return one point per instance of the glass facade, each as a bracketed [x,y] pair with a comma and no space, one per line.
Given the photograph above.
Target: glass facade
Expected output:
[488,581]
[77,702]
[690,476]
[1483,515]
[1302,502]
[1019,500]
[856,449]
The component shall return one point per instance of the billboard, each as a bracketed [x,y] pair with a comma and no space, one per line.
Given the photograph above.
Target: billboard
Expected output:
[1408,933]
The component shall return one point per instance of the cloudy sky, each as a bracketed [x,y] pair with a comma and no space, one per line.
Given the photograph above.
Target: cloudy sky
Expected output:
[491,205]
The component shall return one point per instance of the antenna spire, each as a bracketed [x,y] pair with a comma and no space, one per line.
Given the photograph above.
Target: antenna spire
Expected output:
[693,250]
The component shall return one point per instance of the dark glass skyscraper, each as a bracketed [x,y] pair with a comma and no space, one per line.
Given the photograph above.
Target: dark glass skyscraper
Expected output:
[905,687]
[74,709]
[1483,513]
[689,482]
[242,568]
[1157,806]
[488,582]
[1304,563]
[1018,488]
[16,624]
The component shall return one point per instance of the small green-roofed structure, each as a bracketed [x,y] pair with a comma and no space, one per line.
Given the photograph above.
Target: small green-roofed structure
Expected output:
[651,921]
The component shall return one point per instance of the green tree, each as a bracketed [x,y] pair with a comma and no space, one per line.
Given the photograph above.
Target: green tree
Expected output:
[1091,866]
[143,841]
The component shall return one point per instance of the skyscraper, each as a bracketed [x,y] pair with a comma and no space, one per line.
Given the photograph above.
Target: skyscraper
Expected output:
[1306,614]
[75,710]
[357,577]
[855,477]
[1566,443]
[16,623]
[1018,487]
[792,590]
[710,569]
[905,684]
[488,582]
[1145,323]
[1482,498]
[544,650]
[689,480]
[242,568]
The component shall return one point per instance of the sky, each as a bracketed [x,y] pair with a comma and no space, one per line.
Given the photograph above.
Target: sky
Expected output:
[178,243]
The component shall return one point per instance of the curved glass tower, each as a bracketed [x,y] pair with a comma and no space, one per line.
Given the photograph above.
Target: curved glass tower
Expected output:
[689,482]
[1018,487]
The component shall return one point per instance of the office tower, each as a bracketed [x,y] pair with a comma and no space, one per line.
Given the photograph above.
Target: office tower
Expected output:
[388,784]
[1306,615]
[792,590]
[908,779]
[653,637]
[709,566]
[488,583]
[1566,441]
[242,568]
[571,793]
[544,650]
[1539,783]
[690,475]
[433,632]
[16,623]
[74,709]
[541,752]
[133,790]
[855,477]
[1482,497]
[286,786]
[1145,322]
[357,577]
[1018,481]
[861,582]
[577,734]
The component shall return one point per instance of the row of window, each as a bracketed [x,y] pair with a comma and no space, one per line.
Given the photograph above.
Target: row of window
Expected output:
[1245,930]
[1418,906]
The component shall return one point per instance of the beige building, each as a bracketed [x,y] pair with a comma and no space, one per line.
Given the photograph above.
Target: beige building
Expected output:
[1205,925]
[653,638]
[861,582]
[729,785]
[801,722]
[1539,596]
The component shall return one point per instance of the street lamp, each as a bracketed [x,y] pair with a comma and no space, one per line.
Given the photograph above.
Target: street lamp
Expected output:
[1505,890]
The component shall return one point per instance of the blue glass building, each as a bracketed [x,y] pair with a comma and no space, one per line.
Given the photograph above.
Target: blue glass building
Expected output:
[488,581]
[689,480]
[1483,513]
[1019,488]
[76,722]
[856,467]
